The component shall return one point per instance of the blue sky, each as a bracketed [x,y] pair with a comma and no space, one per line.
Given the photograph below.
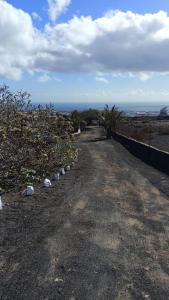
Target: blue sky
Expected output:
[95,8]
[112,55]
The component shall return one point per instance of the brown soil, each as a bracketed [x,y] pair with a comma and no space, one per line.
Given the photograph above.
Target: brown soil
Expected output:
[101,233]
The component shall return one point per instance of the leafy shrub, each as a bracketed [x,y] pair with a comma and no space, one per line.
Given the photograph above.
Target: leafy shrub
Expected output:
[33,141]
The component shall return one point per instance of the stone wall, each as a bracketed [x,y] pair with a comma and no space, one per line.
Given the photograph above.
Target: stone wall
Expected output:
[150,155]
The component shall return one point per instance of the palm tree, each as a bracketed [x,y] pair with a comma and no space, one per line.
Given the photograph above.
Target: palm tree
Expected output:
[111,119]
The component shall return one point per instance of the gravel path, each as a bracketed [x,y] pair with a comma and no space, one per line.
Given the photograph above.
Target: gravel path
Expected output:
[102,233]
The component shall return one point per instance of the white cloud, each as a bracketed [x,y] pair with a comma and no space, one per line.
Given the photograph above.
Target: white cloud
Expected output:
[19,40]
[145,76]
[121,75]
[100,74]
[44,78]
[101,79]
[118,43]
[56,8]
[36,17]
[57,79]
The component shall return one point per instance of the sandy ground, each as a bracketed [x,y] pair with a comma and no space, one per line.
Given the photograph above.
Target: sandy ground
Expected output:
[101,233]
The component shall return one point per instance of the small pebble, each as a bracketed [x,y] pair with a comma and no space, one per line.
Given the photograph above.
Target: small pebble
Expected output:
[58,280]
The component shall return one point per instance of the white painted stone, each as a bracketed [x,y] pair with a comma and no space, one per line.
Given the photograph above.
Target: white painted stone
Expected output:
[56,177]
[47,183]
[29,190]
[62,171]
[1,204]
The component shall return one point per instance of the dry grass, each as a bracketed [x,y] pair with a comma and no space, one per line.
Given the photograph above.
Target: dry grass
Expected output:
[144,130]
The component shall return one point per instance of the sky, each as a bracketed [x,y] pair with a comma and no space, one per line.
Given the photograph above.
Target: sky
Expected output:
[86,51]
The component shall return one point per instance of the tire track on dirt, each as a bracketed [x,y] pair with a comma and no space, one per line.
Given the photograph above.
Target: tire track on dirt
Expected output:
[108,237]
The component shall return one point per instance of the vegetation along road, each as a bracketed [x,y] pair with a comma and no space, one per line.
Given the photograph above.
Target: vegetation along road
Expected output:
[101,233]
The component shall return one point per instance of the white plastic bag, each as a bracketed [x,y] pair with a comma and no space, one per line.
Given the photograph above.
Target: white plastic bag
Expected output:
[29,190]
[1,205]
[47,183]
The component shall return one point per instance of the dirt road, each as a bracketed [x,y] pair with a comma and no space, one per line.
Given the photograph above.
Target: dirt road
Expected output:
[102,233]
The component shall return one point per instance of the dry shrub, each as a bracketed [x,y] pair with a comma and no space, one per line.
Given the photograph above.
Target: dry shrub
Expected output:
[163,130]
[136,131]
[33,141]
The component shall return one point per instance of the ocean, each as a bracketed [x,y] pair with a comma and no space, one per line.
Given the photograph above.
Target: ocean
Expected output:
[130,109]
